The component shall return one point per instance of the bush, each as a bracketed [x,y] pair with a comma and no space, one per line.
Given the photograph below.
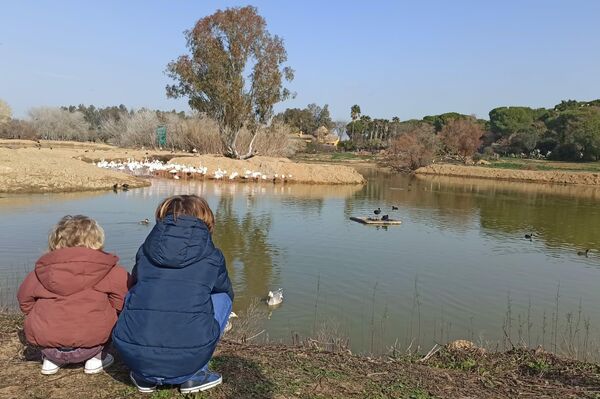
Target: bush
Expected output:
[414,149]
[59,124]
[18,129]
[567,152]
[275,141]
[346,146]
[461,137]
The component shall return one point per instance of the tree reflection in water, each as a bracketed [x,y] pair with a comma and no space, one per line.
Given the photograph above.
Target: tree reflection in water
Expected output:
[243,238]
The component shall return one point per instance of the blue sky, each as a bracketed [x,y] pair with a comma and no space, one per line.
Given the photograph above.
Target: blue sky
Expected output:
[393,58]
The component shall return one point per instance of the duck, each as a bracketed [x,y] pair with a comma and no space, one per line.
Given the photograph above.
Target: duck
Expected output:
[145,221]
[229,326]
[385,218]
[115,187]
[275,298]
[377,211]
[125,186]
[394,208]
[583,253]
[529,236]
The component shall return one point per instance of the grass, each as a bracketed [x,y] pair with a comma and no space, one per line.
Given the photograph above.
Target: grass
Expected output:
[278,371]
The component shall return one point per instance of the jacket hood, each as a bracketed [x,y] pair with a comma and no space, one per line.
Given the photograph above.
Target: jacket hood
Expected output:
[178,243]
[66,271]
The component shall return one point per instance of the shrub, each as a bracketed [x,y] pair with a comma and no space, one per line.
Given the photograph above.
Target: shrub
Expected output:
[18,129]
[275,141]
[346,145]
[461,137]
[414,149]
[59,124]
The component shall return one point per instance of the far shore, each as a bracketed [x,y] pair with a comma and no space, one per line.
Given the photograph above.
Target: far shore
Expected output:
[58,166]
[537,176]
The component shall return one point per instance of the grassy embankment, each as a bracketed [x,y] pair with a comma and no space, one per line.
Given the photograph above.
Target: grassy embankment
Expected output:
[277,371]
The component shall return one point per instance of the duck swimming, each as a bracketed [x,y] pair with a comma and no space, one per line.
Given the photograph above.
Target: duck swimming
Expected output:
[581,253]
[145,221]
[377,211]
[394,208]
[275,298]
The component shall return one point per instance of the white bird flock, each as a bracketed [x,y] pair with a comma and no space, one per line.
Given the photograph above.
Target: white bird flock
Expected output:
[175,170]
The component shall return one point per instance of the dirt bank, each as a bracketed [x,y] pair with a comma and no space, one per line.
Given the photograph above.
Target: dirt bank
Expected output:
[30,170]
[540,176]
[55,166]
[281,372]
[300,172]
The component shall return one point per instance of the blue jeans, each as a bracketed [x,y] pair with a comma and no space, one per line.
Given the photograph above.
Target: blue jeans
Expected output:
[222,308]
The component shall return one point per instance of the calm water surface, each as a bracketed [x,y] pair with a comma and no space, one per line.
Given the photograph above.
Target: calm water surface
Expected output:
[458,266]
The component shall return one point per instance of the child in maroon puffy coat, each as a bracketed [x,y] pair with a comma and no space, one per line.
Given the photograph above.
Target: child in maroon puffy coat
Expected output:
[72,297]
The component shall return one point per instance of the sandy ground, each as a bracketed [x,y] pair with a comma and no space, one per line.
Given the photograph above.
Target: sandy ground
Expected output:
[539,176]
[30,170]
[300,172]
[54,166]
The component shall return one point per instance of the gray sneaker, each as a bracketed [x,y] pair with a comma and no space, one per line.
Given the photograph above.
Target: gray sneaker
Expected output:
[201,382]
[141,384]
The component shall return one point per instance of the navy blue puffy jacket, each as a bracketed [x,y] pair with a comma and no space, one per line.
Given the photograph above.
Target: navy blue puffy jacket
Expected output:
[167,327]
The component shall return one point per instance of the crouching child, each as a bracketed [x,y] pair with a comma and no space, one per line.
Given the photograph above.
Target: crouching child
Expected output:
[72,297]
[180,302]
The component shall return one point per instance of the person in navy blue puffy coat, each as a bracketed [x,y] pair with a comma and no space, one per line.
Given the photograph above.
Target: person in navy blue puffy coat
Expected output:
[179,303]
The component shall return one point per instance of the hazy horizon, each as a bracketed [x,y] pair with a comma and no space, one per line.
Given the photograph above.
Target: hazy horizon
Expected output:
[392,58]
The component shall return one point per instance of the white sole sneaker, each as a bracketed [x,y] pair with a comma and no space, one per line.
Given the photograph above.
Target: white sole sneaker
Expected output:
[203,387]
[139,388]
[108,360]
[49,368]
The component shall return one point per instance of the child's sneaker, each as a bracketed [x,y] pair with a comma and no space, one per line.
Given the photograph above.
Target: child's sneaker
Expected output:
[141,384]
[95,365]
[49,368]
[201,382]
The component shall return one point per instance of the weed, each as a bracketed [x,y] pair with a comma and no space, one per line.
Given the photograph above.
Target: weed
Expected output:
[419,394]
[538,366]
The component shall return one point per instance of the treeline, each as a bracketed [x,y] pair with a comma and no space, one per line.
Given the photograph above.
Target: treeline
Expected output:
[125,127]
[570,131]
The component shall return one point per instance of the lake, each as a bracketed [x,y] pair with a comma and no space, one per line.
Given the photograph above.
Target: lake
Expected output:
[458,267]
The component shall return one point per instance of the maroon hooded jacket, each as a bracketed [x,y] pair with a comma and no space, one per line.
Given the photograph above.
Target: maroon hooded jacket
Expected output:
[72,297]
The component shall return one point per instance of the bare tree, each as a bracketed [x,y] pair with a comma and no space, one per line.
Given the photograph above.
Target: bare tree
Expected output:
[59,124]
[5,113]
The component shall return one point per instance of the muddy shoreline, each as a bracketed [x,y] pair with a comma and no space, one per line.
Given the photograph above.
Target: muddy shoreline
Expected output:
[537,176]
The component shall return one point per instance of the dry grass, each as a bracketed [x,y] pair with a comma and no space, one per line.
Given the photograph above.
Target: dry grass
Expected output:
[278,371]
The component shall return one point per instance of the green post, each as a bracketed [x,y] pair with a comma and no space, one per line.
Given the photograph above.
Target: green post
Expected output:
[161,136]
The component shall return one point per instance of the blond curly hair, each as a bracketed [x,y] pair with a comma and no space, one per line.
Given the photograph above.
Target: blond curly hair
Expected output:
[76,231]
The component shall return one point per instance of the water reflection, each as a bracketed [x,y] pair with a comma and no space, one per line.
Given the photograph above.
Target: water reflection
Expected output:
[243,237]
[560,216]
